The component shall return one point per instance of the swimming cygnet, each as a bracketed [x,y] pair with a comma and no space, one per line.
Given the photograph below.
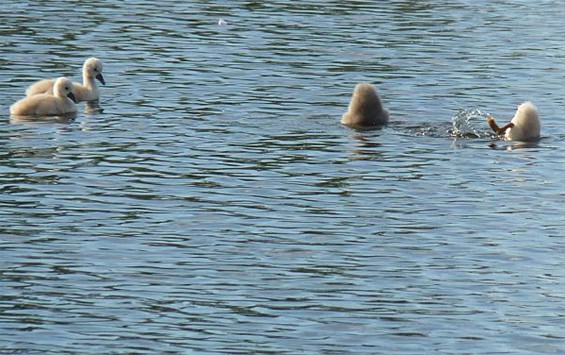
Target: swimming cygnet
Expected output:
[525,125]
[62,102]
[87,91]
[365,108]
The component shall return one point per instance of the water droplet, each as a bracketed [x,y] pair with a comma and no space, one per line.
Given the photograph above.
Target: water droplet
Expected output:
[471,123]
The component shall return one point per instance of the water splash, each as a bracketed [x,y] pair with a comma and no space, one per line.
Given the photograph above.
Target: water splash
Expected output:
[471,123]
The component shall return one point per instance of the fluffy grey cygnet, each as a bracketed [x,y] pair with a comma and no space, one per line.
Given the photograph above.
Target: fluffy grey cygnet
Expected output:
[365,108]
[87,91]
[525,125]
[61,102]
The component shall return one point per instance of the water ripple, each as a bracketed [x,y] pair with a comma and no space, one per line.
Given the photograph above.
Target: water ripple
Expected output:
[214,204]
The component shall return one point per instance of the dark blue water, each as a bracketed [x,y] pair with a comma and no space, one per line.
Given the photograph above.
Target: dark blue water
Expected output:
[216,204]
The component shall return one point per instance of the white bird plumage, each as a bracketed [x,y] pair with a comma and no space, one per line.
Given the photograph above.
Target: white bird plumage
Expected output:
[525,125]
[61,102]
[87,91]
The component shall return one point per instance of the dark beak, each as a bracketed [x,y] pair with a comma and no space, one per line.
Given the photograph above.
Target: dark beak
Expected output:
[101,79]
[71,96]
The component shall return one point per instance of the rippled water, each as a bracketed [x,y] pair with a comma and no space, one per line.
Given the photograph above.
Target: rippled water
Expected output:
[216,205]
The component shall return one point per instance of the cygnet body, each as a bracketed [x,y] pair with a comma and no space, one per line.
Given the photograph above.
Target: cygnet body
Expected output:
[525,125]
[365,108]
[60,103]
[87,91]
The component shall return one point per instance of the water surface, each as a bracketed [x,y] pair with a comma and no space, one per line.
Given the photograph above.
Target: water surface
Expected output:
[216,205]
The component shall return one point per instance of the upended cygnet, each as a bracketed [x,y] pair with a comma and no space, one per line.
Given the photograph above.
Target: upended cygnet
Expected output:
[61,103]
[525,125]
[365,108]
[87,91]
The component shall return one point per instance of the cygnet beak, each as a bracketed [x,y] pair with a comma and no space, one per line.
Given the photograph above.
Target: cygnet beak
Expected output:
[101,79]
[71,96]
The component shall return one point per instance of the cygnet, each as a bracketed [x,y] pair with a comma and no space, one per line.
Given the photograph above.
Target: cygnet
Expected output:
[87,91]
[61,103]
[365,108]
[525,125]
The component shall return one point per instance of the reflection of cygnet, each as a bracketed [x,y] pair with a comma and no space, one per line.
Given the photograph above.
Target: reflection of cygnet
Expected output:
[365,108]
[62,102]
[87,91]
[525,125]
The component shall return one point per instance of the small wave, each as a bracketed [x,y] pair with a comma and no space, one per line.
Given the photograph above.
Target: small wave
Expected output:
[471,123]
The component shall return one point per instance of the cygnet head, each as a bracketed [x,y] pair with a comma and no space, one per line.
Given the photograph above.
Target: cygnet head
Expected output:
[92,68]
[63,87]
[526,124]
[365,108]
